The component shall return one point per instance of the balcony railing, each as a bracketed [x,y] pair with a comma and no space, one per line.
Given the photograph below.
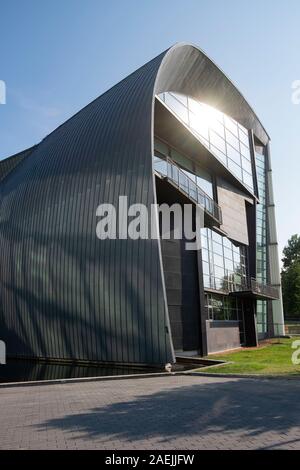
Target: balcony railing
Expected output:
[244,286]
[177,176]
[263,289]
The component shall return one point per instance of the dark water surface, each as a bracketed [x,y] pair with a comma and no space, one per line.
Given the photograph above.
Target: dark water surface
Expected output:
[19,370]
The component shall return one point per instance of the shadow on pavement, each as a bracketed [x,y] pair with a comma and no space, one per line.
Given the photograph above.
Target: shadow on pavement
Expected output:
[249,407]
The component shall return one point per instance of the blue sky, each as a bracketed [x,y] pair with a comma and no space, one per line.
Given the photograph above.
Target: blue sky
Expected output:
[56,56]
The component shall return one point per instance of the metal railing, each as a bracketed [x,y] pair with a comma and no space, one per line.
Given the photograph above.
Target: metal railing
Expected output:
[253,285]
[263,289]
[230,284]
[174,173]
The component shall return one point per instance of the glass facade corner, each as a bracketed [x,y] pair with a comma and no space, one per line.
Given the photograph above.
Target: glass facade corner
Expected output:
[261,236]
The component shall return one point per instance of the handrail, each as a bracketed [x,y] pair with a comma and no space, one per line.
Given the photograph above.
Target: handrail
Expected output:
[174,173]
[253,285]
[265,289]
[229,285]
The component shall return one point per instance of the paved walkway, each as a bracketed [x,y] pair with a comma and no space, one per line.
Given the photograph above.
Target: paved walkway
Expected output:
[153,413]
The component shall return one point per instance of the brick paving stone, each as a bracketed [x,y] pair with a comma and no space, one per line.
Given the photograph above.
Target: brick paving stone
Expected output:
[176,412]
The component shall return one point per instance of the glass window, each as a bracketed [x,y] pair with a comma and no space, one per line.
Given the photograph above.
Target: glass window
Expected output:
[236,169]
[224,259]
[205,268]
[245,152]
[204,242]
[219,272]
[181,160]
[195,107]
[217,141]
[236,257]
[232,140]
[231,125]
[160,165]
[227,252]
[206,281]
[177,107]
[182,98]
[204,181]
[216,237]
[229,265]
[247,179]
[246,164]
[222,308]
[222,135]
[205,255]
[218,127]
[218,260]
[219,314]
[199,125]
[244,136]
[190,175]
[161,147]
[220,155]
[217,248]
[234,155]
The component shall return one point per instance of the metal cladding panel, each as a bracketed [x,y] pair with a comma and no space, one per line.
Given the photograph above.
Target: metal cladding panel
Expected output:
[65,293]
[9,164]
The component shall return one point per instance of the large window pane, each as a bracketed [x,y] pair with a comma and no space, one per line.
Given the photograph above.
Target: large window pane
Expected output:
[217,141]
[232,140]
[247,179]
[199,125]
[244,136]
[204,181]
[234,155]
[213,129]
[236,169]
[177,107]
[226,260]
[231,125]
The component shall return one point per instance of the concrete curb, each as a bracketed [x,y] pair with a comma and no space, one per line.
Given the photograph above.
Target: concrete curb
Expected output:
[243,376]
[87,379]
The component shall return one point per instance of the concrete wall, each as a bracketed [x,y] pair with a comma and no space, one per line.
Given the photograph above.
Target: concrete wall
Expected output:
[222,335]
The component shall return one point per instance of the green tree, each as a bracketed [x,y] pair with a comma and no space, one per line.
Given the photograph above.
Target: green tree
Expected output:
[291,252]
[290,277]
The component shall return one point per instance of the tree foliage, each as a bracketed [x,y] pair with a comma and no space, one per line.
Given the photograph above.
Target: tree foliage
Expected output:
[290,276]
[291,252]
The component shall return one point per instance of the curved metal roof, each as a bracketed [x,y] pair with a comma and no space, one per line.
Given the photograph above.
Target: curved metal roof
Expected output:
[187,69]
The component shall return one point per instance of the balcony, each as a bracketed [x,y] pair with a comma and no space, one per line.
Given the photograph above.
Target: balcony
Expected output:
[249,287]
[258,290]
[175,175]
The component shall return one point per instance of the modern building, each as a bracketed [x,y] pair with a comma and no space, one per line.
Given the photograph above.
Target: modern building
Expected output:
[175,131]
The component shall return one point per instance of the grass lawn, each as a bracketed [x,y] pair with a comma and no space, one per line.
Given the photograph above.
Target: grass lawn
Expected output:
[270,358]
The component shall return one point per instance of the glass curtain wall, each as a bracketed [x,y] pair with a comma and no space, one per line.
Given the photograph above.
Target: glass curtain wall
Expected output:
[225,138]
[199,175]
[224,264]
[222,308]
[261,236]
